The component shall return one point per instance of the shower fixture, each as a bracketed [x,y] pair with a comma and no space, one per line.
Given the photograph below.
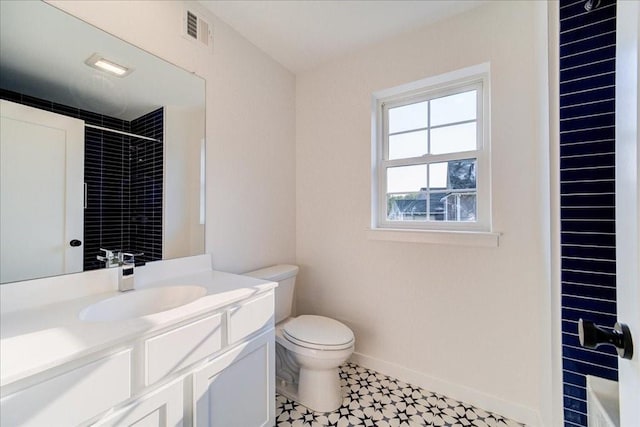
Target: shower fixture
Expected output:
[591,4]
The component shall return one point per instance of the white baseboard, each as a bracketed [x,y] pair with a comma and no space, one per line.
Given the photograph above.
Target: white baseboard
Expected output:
[489,403]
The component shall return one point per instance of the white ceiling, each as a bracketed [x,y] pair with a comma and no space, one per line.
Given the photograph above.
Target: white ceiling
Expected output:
[302,34]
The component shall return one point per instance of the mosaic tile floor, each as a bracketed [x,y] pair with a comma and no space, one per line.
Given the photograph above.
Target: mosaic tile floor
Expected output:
[376,400]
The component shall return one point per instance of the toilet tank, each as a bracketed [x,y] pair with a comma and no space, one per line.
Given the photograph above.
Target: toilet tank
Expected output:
[285,275]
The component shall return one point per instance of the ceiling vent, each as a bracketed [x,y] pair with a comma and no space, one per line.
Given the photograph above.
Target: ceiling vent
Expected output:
[197,29]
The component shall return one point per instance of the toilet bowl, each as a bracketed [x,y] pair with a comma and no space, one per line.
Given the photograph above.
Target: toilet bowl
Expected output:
[317,346]
[309,349]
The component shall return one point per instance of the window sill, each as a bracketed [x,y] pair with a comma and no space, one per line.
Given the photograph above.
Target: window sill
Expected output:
[457,238]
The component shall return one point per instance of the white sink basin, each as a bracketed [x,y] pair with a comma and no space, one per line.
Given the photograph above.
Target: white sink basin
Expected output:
[139,303]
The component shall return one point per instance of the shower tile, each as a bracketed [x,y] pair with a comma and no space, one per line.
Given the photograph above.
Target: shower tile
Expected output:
[587,45]
[36,102]
[575,417]
[600,292]
[580,123]
[573,314]
[111,191]
[579,392]
[590,55]
[602,25]
[587,192]
[10,96]
[594,226]
[575,404]
[587,95]
[586,148]
[590,69]
[90,118]
[587,200]
[599,107]
[65,110]
[588,134]
[605,360]
[580,173]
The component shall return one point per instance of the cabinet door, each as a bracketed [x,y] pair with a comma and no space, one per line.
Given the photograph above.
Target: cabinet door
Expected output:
[71,397]
[237,389]
[160,408]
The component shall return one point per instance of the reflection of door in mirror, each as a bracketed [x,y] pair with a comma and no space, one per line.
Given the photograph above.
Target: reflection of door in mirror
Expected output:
[41,206]
[123,178]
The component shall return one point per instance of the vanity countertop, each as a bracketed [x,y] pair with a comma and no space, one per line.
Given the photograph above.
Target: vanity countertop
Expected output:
[36,339]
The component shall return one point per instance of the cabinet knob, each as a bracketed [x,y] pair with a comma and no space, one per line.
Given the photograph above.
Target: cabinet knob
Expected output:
[75,243]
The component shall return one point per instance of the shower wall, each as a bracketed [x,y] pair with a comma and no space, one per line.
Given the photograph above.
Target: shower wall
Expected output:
[124,181]
[146,190]
[587,175]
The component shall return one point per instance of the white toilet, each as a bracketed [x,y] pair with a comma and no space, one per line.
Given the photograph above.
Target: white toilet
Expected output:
[309,349]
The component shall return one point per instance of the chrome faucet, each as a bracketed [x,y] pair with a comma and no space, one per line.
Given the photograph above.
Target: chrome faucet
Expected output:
[111,258]
[125,274]
[126,263]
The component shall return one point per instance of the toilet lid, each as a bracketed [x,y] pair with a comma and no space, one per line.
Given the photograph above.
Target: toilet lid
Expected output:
[318,332]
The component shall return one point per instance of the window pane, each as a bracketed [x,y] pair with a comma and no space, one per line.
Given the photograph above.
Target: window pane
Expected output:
[405,145]
[406,179]
[408,117]
[453,139]
[462,174]
[438,175]
[436,206]
[407,207]
[460,207]
[454,108]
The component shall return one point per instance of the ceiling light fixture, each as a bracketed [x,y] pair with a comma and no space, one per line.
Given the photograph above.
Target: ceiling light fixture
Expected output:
[99,62]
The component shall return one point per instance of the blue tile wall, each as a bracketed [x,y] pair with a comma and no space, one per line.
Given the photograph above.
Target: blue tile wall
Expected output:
[146,185]
[587,193]
[106,222]
[124,179]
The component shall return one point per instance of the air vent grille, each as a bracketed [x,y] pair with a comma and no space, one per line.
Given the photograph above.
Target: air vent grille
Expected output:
[197,29]
[192,25]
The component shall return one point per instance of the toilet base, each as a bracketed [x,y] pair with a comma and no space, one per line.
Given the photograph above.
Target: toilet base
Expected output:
[316,389]
[287,389]
[320,390]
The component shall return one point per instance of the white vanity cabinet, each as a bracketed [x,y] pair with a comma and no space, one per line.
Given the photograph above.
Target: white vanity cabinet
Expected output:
[237,388]
[70,397]
[181,347]
[163,407]
[213,369]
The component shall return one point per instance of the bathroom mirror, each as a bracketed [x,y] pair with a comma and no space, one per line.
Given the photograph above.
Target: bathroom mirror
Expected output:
[92,160]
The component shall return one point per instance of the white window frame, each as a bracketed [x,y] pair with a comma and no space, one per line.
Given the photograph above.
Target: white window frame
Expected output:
[476,77]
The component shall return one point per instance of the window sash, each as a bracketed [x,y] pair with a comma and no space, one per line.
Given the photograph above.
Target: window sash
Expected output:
[429,191]
[391,103]
[479,83]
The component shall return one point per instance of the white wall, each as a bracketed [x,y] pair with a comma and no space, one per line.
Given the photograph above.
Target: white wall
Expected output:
[250,124]
[468,321]
[183,235]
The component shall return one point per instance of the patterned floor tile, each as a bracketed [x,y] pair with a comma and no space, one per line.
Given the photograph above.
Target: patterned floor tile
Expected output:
[375,400]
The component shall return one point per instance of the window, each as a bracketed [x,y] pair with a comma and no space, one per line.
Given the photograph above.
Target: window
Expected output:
[432,154]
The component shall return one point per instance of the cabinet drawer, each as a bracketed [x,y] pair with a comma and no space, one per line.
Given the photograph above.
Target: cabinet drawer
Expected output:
[250,317]
[71,397]
[181,347]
